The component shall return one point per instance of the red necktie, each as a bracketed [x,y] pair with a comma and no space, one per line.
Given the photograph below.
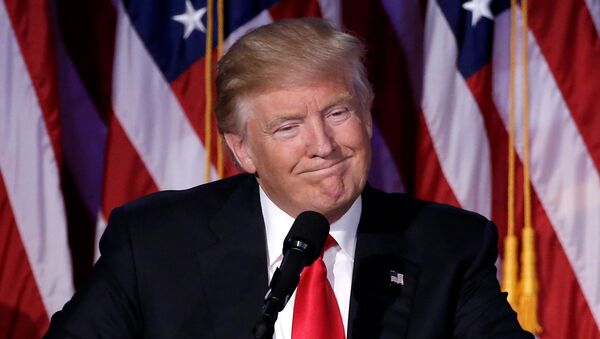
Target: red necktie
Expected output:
[316,311]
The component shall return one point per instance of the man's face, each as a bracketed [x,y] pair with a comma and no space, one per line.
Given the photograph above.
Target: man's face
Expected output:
[309,145]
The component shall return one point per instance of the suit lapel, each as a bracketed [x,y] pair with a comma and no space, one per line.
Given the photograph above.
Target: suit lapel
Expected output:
[234,267]
[384,282]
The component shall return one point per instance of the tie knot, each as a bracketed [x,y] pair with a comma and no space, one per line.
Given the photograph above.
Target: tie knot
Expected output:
[329,243]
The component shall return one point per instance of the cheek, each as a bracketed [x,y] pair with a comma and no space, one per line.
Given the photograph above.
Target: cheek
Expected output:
[279,158]
[355,136]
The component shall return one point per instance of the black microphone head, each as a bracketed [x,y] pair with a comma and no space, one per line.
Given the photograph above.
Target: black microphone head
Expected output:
[308,233]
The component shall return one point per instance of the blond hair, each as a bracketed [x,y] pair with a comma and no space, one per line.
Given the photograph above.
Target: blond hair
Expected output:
[284,53]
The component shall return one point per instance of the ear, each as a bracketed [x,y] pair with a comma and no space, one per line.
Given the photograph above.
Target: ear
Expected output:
[241,152]
[368,121]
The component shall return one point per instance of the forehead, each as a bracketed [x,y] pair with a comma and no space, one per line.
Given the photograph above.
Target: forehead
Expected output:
[299,98]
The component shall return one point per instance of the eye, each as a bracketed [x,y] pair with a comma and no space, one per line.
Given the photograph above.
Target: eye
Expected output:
[338,115]
[286,131]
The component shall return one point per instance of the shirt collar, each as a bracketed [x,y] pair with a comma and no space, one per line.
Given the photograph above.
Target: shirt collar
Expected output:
[278,224]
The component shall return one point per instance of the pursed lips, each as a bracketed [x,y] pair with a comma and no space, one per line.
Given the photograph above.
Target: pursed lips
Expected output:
[324,168]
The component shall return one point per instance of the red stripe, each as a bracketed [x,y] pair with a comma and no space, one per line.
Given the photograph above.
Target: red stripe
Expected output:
[295,9]
[189,90]
[562,308]
[480,85]
[568,40]
[126,177]
[430,181]
[394,109]
[22,312]
[30,21]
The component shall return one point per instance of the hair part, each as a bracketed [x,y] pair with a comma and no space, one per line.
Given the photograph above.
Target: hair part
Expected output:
[293,52]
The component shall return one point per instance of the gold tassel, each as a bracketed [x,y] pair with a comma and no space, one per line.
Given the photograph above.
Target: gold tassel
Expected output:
[528,287]
[509,270]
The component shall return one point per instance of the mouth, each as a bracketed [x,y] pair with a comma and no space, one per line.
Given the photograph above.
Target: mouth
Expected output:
[327,168]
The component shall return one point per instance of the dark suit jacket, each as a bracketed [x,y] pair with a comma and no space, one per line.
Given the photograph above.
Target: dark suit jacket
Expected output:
[193,264]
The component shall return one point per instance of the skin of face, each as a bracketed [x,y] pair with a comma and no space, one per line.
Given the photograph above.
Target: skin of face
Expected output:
[309,146]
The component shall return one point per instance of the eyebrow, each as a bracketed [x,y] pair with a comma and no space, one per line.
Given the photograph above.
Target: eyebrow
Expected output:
[346,97]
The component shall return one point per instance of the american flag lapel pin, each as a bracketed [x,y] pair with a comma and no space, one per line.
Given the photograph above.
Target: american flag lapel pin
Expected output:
[396,278]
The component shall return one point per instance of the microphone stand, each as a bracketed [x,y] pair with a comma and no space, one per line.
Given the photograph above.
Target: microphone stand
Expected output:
[264,328]
[284,282]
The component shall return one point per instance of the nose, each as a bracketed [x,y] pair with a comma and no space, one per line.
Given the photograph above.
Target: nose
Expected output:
[320,140]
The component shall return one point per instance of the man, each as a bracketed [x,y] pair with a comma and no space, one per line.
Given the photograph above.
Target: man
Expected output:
[294,109]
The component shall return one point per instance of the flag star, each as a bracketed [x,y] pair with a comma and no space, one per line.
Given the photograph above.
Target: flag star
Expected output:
[191,19]
[478,8]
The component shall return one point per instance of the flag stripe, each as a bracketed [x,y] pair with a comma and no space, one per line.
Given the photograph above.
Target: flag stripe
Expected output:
[190,93]
[22,314]
[151,115]
[125,176]
[332,11]
[480,84]
[562,307]
[28,159]
[594,8]
[562,172]
[430,180]
[263,18]
[124,169]
[28,162]
[35,43]
[576,70]
[445,90]
[293,9]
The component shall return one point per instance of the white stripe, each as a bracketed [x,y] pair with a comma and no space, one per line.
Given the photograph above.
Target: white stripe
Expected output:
[594,9]
[29,168]
[263,18]
[453,118]
[562,172]
[332,11]
[151,115]
[101,224]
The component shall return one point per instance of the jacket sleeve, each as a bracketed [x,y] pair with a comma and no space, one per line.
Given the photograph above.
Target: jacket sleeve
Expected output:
[482,309]
[107,305]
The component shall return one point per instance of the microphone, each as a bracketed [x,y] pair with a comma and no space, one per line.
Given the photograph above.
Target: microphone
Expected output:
[301,247]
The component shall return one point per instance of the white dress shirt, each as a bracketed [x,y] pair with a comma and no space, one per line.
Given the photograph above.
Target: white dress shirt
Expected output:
[339,260]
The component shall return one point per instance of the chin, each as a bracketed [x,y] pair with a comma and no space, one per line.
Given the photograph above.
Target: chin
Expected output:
[332,208]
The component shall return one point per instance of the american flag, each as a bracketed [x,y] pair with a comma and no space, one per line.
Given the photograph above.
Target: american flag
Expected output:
[396,278]
[104,101]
